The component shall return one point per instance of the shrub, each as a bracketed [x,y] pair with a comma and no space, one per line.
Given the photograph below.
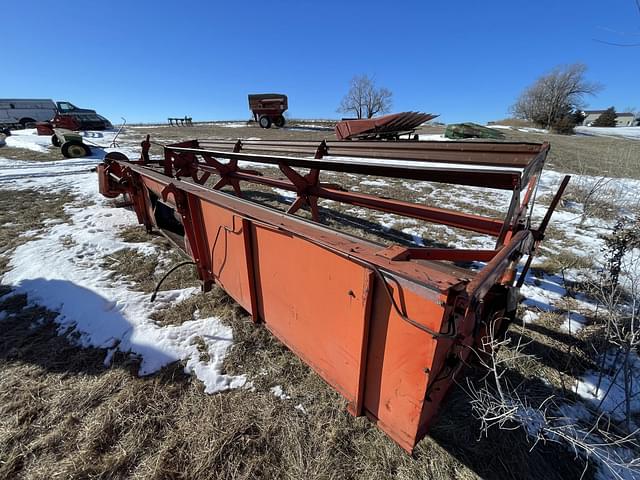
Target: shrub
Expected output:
[606,119]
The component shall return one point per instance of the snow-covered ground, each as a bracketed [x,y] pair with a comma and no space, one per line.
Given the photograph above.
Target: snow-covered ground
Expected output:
[230,124]
[233,124]
[433,137]
[632,133]
[29,139]
[99,141]
[624,132]
[519,129]
[60,269]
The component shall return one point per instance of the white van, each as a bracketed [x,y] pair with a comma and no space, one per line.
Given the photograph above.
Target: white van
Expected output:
[26,111]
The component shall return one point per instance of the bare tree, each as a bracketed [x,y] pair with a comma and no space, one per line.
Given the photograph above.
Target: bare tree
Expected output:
[555,95]
[364,100]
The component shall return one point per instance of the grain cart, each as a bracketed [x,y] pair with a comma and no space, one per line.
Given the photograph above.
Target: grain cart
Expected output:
[389,326]
[268,108]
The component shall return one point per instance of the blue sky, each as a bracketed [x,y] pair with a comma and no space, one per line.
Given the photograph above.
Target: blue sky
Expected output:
[466,60]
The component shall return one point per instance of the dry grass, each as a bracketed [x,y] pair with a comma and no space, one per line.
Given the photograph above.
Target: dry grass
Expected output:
[513,122]
[145,271]
[563,260]
[64,414]
[24,212]
[557,357]
[15,153]
[587,155]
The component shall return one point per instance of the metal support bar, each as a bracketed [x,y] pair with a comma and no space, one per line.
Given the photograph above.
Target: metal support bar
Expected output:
[539,233]
[462,175]
[251,273]
[476,223]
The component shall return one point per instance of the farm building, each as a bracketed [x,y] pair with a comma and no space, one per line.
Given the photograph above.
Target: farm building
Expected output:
[622,120]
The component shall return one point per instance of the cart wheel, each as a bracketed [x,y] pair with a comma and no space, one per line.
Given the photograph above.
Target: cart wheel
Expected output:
[75,149]
[55,141]
[279,121]
[265,122]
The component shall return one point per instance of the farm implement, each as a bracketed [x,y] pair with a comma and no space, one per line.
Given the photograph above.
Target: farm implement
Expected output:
[75,145]
[268,108]
[388,326]
[387,127]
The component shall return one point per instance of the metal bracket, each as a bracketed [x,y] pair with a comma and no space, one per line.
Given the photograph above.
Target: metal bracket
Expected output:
[303,185]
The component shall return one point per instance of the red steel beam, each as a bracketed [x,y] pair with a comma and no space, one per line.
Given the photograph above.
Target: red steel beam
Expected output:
[478,177]
[500,154]
[475,153]
[451,218]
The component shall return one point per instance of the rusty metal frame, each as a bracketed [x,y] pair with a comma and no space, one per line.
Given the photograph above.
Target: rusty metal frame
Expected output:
[386,127]
[515,166]
[384,325]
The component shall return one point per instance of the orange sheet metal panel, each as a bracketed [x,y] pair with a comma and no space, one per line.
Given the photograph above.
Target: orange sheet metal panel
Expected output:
[225,238]
[400,359]
[317,303]
[334,313]
[155,187]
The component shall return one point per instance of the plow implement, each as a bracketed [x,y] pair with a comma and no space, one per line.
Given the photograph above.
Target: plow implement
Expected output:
[387,326]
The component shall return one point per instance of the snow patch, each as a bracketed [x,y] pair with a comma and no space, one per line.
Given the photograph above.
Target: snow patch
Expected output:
[278,392]
[29,139]
[609,393]
[285,194]
[375,183]
[530,317]
[632,133]
[61,271]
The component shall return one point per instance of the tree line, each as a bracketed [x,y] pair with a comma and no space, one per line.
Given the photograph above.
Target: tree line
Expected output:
[555,101]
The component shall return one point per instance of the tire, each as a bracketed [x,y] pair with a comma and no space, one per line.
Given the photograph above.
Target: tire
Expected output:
[279,121]
[27,122]
[265,122]
[55,141]
[75,149]
[117,156]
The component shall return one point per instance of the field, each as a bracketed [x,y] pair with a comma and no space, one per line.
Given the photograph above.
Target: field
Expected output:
[75,407]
